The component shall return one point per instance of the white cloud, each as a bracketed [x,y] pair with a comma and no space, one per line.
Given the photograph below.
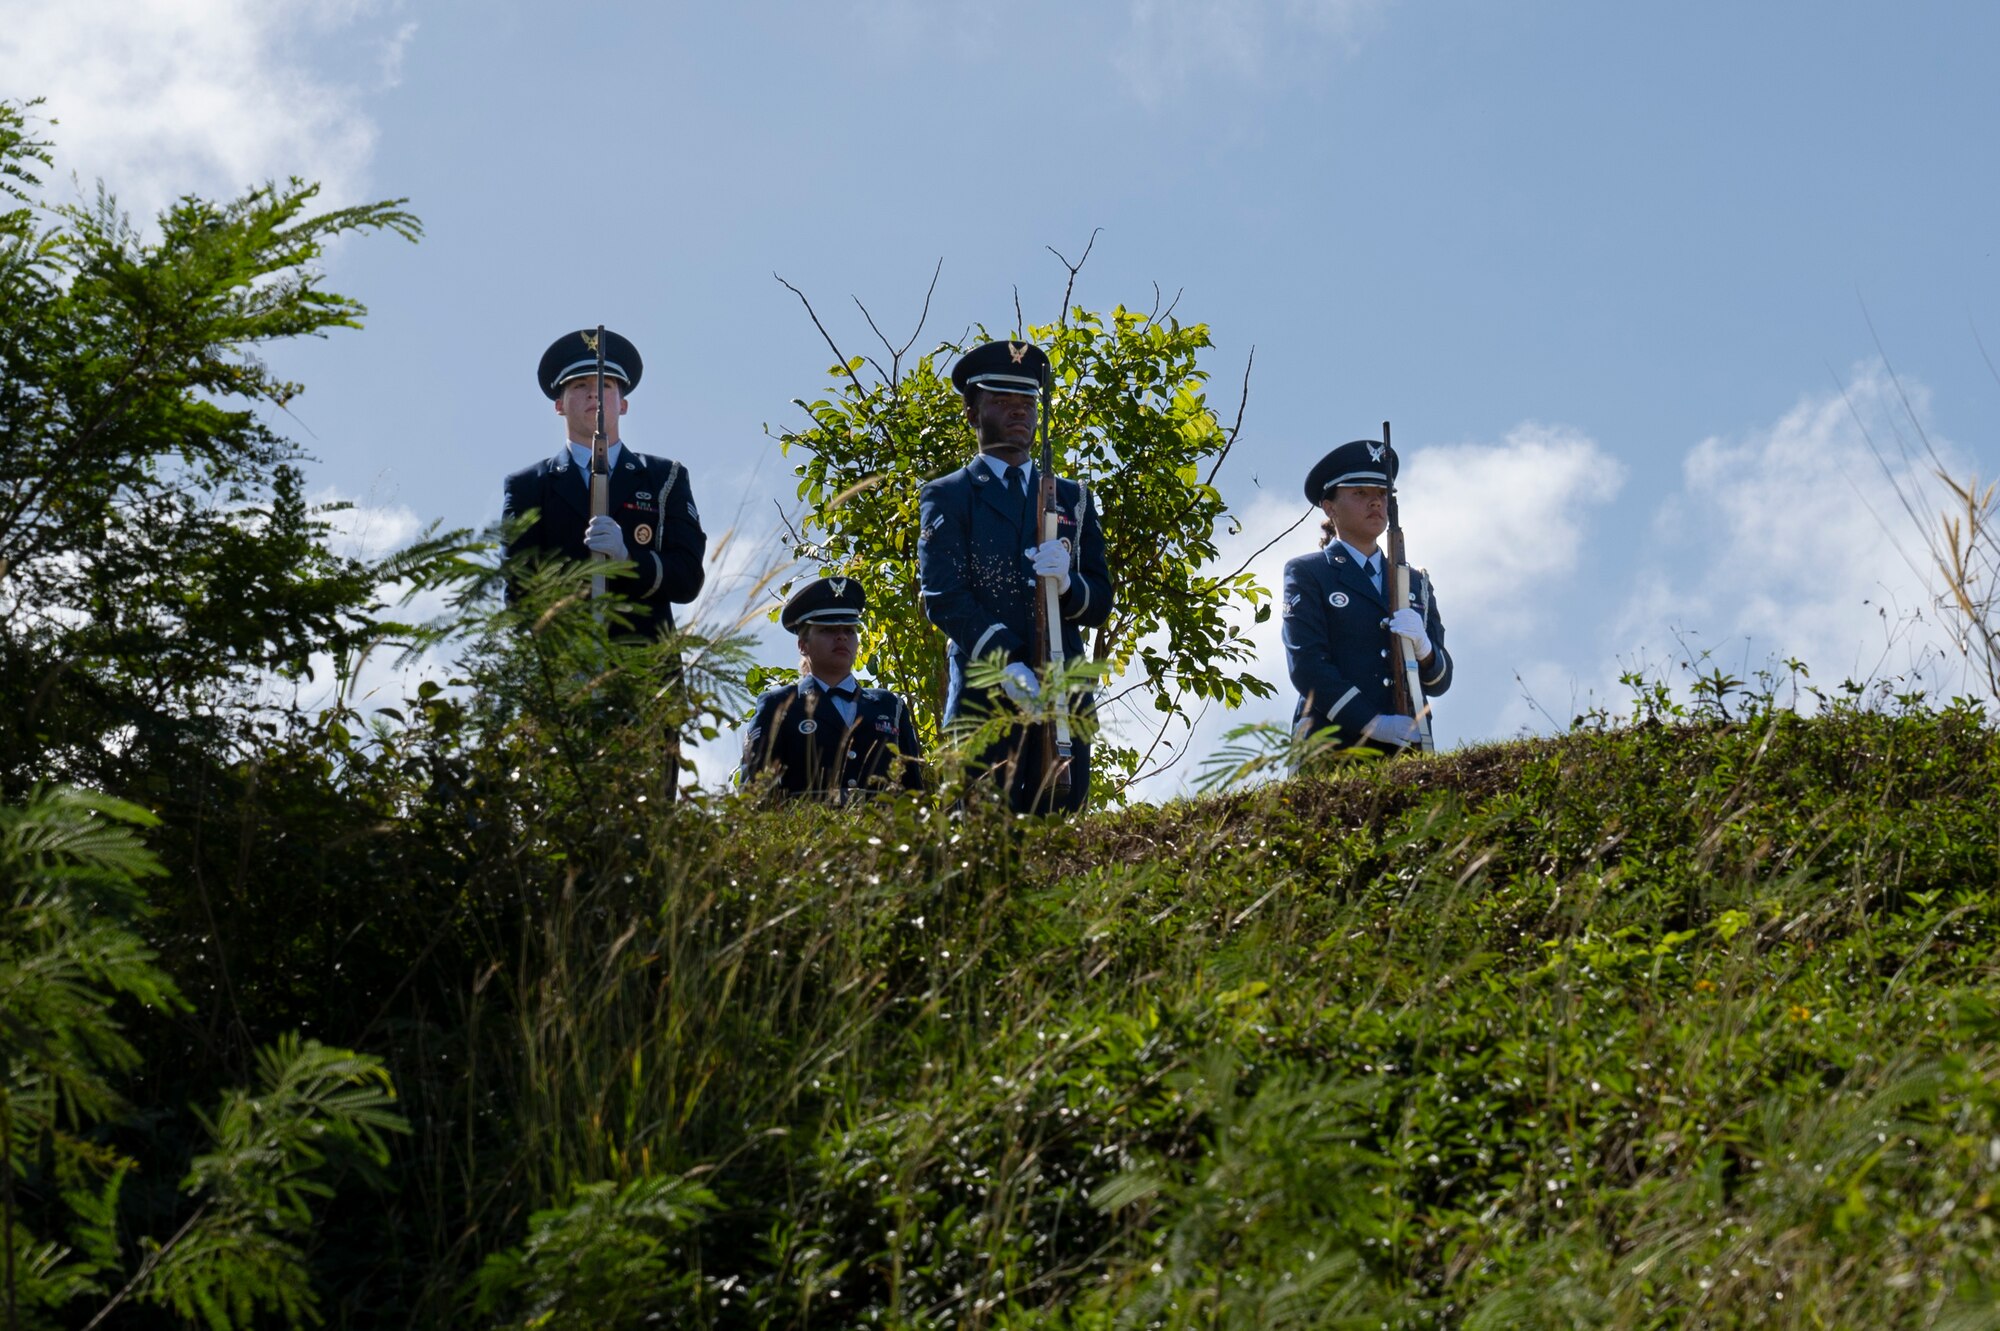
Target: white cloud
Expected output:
[1172,43]
[1490,519]
[368,531]
[1790,542]
[363,529]
[393,50]
[159,98]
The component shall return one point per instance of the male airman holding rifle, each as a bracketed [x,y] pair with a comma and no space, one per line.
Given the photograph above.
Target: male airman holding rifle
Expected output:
[598,500]
[1001,540]
[650,519]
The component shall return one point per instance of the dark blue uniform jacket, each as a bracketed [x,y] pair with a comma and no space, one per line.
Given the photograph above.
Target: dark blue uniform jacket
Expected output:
[798,742]
[978,584]
[1341,658]
[654,506]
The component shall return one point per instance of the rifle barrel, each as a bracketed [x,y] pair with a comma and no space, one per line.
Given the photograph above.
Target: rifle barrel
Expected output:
[1048,610]
[1409,686]
[600,465]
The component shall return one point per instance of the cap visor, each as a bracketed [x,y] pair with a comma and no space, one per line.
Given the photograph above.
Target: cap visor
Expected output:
[1005,383]
[612,370]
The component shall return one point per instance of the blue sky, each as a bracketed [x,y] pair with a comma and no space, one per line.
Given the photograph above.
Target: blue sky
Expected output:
[1610,269]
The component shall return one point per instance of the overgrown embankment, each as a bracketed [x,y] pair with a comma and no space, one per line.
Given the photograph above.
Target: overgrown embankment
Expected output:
[1663,1026]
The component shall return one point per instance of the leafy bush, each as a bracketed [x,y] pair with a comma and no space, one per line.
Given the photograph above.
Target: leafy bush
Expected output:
[70,871]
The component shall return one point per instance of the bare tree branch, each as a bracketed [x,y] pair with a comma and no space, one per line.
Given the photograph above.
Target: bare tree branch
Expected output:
[1062,320]
[924,316]
[1268,544]
[813,314]
[1167,766]
[889,375]
[1242,402]
[785,520]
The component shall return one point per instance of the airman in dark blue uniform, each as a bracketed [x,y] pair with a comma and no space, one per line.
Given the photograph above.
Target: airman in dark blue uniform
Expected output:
[652,523]
[1340,637]
[825,737]
[980,555]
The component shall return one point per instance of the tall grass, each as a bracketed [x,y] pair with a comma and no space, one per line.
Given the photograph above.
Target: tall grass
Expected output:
[1688,1021]
[1657,1027]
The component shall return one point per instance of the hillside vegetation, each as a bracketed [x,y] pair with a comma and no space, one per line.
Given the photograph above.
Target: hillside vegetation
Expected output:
[1667,1025]
[442,1016]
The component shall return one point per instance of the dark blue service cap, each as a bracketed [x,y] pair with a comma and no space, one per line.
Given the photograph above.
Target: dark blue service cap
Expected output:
[574,355]
[824,601]
[1001,367]
[1362,462]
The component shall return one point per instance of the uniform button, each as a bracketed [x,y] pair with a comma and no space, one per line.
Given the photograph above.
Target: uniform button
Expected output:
[1385,651]
[852,783]
[852,754]
[1387,681]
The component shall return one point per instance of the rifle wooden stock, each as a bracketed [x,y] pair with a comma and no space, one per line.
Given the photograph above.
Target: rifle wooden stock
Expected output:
[1056,743]
[1409,684]
[600,465]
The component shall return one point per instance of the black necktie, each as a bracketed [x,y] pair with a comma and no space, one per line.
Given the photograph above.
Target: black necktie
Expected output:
[847,693]
[1017,485]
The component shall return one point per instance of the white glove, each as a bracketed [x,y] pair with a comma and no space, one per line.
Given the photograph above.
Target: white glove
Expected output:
[1020,684]
[1388,728]
[604,538]
[1407,623]
[1051,561]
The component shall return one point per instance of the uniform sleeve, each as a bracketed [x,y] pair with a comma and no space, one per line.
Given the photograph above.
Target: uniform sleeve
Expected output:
[1309,631]
[944,558]
[1087,603]
[684,546]
[671,567]
[1435,677]
[517,500]
[759,738]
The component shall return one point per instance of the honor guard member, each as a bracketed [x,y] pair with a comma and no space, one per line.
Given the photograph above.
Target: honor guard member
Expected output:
[979,555]
[1340,637]
[825,736]
[652,522]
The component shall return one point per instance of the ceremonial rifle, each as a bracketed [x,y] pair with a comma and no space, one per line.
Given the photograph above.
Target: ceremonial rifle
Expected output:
[1048,615]
[1409,680]
[600,463]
